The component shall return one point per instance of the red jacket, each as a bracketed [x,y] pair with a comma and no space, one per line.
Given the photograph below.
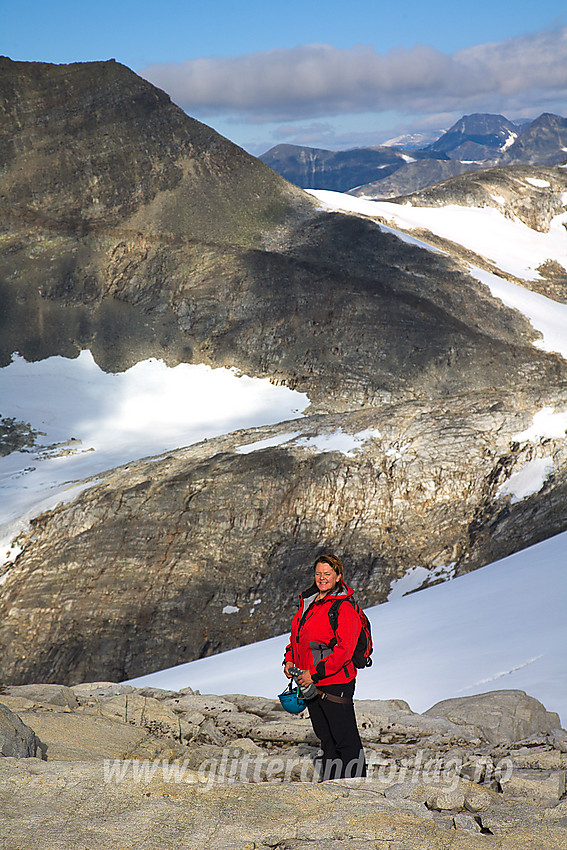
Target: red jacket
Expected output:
[311,634]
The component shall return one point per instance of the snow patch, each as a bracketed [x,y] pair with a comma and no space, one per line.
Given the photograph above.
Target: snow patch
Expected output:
[528,480]
[396,451]
[546,425]
[538,183]
[416,577]
[499,199]
[230,609]
[509,142]
[91,421]
[545,315]
[268,443]
[338,441]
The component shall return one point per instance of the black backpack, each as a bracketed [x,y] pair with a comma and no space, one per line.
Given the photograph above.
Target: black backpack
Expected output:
[363,649]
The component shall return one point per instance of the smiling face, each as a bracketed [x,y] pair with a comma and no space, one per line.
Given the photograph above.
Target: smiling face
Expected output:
[326,578]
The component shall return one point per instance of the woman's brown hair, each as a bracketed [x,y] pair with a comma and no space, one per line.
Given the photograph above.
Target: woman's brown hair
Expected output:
[332,561]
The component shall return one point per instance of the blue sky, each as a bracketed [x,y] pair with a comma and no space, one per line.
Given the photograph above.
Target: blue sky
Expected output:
[329,74]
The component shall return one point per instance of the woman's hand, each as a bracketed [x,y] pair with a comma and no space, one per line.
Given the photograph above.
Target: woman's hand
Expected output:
[305,679]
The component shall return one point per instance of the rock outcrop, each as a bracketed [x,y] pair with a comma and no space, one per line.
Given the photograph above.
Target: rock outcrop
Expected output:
[16,739]
[163,769]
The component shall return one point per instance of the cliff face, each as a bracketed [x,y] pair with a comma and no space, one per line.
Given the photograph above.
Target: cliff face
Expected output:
[132,230]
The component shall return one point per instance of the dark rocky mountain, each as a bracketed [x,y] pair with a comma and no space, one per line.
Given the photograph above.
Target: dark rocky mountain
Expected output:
[316,168]
[539,142]
[477,137]
[474,142]
[132,230]
[542,142]
[106,184]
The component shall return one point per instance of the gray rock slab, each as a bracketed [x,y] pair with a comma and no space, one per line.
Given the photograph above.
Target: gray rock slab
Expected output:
[501,716]
[207,704]
[538,785]
[70,736]
[54,694]
[100,690]
[157,716]
[253,705]
[286,731]
[409,725]
[16,738]
[382,708]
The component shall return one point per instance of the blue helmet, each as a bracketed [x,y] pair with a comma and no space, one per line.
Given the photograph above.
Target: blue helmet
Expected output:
[291,700]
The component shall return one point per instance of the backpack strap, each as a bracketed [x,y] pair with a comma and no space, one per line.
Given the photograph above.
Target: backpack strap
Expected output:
[334,620]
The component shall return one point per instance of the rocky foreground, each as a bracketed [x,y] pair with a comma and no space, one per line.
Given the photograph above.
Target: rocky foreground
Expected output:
[109,765]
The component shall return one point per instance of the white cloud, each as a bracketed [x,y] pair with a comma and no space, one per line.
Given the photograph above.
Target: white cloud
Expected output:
[321,80]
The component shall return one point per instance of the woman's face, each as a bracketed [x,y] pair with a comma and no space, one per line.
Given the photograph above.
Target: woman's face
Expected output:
[325,577]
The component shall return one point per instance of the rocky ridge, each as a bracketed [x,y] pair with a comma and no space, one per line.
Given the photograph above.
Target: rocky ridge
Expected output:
[154,768]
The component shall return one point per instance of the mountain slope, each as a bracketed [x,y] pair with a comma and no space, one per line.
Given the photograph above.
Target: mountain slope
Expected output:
[477,137]
[533,196]
[92,145]
[108,192]
[543,142]
[337,170]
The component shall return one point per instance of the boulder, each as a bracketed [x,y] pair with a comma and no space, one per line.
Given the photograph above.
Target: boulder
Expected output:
[467,822]
[443,795]
[500,716]
[540,785]
[54,694]
[100,690]
[16,739]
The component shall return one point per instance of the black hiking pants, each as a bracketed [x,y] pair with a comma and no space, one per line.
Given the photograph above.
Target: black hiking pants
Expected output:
[335,726]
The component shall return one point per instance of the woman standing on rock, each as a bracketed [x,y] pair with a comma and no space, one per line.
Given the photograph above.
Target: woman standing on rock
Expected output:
[325,657]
